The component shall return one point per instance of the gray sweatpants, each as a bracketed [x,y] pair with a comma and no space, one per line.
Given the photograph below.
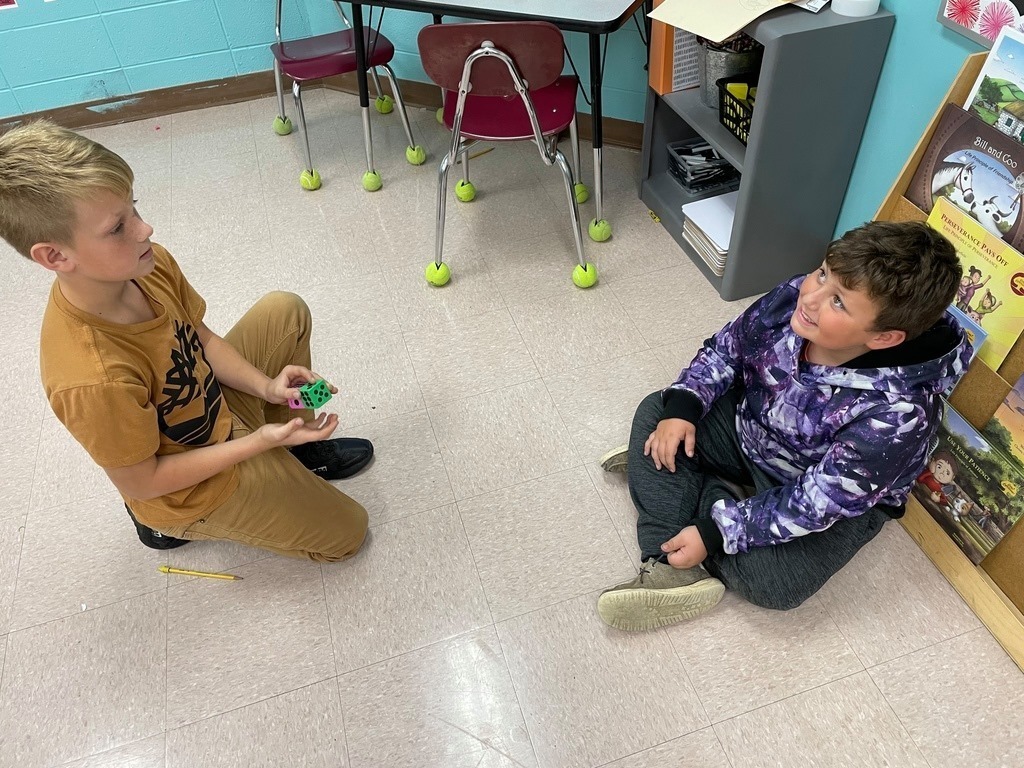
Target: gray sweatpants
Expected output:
[780,576]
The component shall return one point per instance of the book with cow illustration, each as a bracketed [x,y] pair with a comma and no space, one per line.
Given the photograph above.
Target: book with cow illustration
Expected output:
[972,489]
[991,291]
[978,169]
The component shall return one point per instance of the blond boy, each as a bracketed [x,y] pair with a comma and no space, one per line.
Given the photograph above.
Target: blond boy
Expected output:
[192,428]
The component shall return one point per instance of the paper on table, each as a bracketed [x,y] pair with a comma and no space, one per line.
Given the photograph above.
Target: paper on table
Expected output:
[714,215]
[713,19]
[811,5]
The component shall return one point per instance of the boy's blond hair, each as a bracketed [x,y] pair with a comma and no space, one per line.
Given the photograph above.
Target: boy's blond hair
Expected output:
[44,170]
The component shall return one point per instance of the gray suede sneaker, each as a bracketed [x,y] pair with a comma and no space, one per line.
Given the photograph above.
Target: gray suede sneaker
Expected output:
[615,461]
[660,595]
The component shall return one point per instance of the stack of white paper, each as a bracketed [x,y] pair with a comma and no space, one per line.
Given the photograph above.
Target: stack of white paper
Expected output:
[707,227]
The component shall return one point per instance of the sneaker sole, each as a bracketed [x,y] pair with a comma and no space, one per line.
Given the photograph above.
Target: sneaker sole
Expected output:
[639,609]
[615,460]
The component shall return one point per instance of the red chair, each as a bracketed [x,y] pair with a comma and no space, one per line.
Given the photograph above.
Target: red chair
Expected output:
[504,82]
[313,58]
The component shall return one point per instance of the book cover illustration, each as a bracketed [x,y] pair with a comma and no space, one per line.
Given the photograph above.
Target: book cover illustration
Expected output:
[972,328]
[1005,430]
[971,489]
[991,291]
[998,93]
[977,169]
[975,334]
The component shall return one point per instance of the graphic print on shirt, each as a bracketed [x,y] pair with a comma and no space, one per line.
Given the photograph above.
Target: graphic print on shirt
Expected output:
[182,387]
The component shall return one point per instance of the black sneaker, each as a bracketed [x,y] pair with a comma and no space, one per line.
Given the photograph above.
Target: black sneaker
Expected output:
[154,539]
[334,459]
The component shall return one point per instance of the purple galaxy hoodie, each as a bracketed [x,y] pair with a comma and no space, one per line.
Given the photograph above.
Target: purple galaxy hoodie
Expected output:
[840,440]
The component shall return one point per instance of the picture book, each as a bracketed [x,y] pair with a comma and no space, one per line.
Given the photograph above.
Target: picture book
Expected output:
[998,92]
[991,291]
[977,169]
[975,333]
[1005,430]
[971,489]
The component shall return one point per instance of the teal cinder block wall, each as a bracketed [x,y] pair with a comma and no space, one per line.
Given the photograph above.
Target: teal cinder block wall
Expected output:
[63,52]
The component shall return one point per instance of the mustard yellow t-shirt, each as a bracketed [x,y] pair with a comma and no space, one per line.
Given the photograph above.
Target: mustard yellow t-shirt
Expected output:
[127,392]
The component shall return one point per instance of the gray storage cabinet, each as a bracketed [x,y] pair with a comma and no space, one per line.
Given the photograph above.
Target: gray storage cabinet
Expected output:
[818,78]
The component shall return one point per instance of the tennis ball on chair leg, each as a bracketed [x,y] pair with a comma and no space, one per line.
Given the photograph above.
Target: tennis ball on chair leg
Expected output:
[465,191]
[581,192]
[282,125]
[310,180]
[384,104]
[416,155]
[372,181]
[585,278]
[599,230]
[438,275]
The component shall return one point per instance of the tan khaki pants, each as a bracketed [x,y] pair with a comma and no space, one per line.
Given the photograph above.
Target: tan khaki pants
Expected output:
[279,504]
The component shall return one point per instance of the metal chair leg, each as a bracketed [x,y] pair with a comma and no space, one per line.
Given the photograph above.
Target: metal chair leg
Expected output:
[414,153]
[584,275]
[376,82]
[383,103]
[579,189]
[309,179]
[371,179]
[438,272]
[282,125]
[464,189]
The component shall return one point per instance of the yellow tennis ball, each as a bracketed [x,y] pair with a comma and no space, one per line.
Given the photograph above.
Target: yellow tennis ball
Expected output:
[599,230]
[372,181]
[465,191]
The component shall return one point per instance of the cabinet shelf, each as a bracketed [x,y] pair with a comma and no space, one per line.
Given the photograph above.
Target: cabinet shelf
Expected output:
[703,120]
[817,81]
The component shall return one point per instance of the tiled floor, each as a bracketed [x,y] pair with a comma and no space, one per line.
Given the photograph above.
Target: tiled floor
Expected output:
[464,634]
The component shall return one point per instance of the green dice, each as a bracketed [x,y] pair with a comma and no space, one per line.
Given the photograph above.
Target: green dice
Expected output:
[313,395]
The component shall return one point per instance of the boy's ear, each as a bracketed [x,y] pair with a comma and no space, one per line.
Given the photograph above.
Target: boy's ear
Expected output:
[50,256]
[886,339]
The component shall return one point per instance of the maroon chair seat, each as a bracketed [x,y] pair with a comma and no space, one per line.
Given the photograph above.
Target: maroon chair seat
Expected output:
[312,58]
[496,118]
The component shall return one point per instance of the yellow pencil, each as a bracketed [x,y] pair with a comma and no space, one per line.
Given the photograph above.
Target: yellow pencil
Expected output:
[204,574]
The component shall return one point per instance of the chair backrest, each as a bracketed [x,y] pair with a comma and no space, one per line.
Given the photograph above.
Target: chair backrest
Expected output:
[279,11]
[536,47]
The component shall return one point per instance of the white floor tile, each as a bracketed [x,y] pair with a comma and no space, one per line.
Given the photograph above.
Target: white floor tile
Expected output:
[489,402]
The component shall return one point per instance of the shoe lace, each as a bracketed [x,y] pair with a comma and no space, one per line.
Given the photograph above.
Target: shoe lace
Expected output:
[645,569]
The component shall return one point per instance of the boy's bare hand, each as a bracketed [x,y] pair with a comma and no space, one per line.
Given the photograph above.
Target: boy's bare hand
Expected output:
[296,431]
[686,549]
[663,444]
[285,386]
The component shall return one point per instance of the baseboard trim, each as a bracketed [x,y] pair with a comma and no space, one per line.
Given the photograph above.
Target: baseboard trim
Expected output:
[183,98]
[149,104]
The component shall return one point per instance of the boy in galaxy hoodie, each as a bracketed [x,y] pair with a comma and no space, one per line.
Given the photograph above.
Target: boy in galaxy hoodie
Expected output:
[795,432]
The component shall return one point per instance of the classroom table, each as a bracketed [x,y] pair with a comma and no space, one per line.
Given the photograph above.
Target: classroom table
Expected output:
[593,18]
